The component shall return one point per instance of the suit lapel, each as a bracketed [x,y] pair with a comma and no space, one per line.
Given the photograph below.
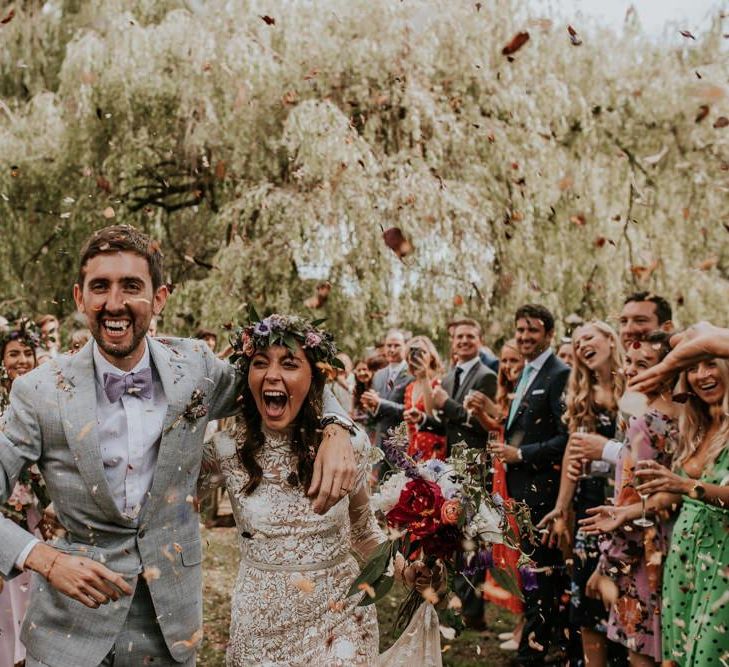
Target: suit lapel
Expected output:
[536,383]
[77,386]
[172,369]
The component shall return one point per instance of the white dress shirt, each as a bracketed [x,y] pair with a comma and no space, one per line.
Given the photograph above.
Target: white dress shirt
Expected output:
[129,432]
[467,366]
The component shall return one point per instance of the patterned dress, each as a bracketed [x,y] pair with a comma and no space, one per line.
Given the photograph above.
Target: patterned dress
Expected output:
[424,445]
[696,586]
[290,604]
[631,556]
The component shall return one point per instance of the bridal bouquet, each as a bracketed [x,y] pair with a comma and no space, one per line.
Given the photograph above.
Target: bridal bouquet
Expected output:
[442,513]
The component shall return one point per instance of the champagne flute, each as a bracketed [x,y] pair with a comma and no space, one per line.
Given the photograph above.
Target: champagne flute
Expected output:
[643,522]
[584,463]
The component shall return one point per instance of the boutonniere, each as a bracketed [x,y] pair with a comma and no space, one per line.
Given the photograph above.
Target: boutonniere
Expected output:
[194,410]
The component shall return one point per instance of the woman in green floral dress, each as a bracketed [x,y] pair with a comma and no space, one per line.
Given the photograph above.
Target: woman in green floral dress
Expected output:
[695,622]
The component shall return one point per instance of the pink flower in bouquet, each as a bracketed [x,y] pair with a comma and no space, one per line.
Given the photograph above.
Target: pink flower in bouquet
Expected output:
[418,509]
[22,495]
[450,512]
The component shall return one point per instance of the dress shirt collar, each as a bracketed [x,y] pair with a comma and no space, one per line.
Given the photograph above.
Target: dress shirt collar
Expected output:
[468,365]
[101,365]
[537,363]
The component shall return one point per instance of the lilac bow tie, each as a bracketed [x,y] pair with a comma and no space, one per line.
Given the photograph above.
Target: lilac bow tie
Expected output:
[136,384]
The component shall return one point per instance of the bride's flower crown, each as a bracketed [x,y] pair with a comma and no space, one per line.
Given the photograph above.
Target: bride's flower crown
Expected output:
[287,331]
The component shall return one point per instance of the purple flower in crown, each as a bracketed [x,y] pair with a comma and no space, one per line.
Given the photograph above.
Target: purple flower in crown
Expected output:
[262,328]
[312,339]
[275,322]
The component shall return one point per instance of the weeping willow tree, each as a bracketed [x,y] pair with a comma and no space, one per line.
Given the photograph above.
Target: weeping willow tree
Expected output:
[268,145]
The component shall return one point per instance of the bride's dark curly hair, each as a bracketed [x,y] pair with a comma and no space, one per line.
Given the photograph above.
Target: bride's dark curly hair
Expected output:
[305,438]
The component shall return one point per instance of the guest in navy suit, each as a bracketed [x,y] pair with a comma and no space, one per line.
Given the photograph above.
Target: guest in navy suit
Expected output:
[535,439]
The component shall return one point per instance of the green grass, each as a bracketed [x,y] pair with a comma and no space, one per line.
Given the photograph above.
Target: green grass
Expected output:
[221,569]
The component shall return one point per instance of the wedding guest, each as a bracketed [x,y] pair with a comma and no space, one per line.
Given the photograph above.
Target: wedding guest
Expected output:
[385,398]
[695,601]
[492,416]
[535,439]
[488,358]
[631,556]
[364,372]
[342,385]
[153,330]
[425,366]
[642,313]
[18,356]
[50,330]
[208,336]
[566,352]
[468,375]
[595,385]
[79,338]
[699,342]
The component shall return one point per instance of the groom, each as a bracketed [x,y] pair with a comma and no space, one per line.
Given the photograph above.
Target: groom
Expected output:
[117,432]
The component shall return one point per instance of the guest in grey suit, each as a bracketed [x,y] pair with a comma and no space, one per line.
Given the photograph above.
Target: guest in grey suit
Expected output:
[386,397]
[469,374]
[117,430]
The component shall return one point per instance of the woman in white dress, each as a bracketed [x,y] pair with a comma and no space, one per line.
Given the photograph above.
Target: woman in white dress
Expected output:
[290,604]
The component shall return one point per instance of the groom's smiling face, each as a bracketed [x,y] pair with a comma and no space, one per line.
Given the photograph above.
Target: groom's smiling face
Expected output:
[119,301]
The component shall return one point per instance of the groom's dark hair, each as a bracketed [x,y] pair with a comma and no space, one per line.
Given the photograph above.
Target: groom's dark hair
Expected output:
[122,238]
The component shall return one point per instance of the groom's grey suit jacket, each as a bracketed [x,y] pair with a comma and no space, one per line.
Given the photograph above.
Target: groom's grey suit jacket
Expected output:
[52,421]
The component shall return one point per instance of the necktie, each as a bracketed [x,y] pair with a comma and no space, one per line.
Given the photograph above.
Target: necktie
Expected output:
[457,381]
[135,384]
[519,394]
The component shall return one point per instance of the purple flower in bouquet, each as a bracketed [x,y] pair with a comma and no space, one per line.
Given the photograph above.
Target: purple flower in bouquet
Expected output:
[481,561]
[528,578]
[395,449]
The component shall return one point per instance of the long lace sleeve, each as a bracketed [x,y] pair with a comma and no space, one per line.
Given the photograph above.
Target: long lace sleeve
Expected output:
[365,531]
[210,472]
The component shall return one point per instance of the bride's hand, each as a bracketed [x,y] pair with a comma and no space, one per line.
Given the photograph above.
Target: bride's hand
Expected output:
[419,576]
[335,471]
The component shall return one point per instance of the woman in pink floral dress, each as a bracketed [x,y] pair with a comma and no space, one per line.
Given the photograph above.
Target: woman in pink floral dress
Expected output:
[17,353]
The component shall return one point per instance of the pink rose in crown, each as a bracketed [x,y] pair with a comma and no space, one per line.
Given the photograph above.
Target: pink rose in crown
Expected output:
[312,339]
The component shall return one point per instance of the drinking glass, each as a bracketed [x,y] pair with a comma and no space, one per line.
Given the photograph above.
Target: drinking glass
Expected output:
[585,473]
[469,413]
[643,522]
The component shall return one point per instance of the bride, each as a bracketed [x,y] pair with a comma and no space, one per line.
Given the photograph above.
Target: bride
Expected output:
[290,603]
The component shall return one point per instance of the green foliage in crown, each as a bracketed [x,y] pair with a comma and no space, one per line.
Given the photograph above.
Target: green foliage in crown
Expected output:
[287,331]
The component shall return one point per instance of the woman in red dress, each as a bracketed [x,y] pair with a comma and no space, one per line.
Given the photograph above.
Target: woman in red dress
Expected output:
[492,415]
[425,366]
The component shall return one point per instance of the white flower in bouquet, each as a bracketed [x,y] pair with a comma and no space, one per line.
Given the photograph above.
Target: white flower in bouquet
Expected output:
[486,525]
[388,495]
[435,470]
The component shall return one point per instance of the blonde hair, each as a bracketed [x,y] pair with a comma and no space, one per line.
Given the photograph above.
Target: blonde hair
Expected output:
[695,420]
[423,341]
[505,387]
[582,408]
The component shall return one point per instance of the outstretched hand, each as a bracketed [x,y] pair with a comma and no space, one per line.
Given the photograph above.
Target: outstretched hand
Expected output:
[603,519]
[334,469]
[555,531]
[700,341]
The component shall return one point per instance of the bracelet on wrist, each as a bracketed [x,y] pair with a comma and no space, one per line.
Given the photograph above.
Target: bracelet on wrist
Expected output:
[47,574]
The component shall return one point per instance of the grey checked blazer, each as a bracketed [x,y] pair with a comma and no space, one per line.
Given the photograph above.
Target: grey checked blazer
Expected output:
[52,421]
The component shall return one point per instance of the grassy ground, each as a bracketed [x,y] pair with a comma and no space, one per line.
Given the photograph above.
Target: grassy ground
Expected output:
[221,568]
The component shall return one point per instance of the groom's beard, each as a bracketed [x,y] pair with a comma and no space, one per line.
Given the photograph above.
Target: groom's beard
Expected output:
[138,329]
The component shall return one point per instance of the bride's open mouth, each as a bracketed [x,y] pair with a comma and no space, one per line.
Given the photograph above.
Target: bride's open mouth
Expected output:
[275,402]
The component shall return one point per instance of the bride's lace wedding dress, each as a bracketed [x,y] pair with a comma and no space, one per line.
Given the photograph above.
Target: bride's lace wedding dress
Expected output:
[290,604]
